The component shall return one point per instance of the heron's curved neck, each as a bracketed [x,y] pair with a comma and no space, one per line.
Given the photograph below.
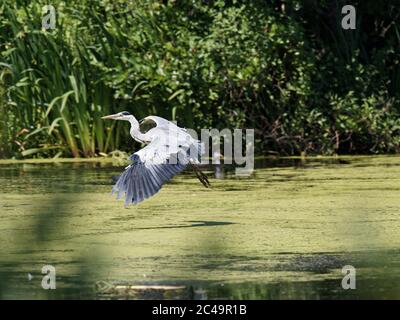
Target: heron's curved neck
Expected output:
[135,130]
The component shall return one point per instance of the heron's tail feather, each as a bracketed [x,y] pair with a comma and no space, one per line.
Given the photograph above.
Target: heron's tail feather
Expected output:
[200,175]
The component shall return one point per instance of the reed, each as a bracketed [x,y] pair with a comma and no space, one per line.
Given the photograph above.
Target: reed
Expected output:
[57,96]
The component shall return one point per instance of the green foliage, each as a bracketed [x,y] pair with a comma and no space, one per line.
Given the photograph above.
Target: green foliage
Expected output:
[287,69]
[4,135]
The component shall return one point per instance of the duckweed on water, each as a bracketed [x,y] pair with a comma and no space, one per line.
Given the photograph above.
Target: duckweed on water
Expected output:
[284,232]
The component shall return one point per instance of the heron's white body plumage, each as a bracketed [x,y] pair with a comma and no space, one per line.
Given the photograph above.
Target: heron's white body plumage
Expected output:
[169,150]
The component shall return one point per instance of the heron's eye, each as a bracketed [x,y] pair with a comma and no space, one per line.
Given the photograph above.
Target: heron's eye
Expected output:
[125,113]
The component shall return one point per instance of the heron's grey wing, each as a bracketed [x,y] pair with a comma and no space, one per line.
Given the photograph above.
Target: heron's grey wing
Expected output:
[161,123]
[151,168]
[179,136]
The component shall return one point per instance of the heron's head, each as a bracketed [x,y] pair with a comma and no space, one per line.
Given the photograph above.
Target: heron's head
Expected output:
[124,115]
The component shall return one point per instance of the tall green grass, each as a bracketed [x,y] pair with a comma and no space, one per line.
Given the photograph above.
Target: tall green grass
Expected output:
[58,97]
[4,143]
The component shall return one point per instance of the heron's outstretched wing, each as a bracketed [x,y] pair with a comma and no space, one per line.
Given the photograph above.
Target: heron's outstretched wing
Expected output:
[160,123]
[151,167]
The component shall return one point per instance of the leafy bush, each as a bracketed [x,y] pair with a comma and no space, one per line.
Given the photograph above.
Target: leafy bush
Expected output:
[286,69]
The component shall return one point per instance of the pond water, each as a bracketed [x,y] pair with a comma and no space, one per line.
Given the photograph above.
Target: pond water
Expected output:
[285,232]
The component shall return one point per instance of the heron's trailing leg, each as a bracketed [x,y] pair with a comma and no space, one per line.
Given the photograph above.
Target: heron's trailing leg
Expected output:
[200,175]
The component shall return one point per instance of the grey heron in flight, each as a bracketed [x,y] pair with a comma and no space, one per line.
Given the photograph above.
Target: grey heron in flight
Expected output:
[169,150]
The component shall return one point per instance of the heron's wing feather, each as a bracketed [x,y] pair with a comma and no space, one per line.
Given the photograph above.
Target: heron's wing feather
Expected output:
[171,149]
[159,122]
[151,168]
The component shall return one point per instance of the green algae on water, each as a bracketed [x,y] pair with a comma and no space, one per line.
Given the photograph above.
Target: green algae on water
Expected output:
[290,226]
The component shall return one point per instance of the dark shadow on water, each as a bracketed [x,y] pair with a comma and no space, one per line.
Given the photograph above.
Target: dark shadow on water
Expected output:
[377,278]
[331,289]
[193,225]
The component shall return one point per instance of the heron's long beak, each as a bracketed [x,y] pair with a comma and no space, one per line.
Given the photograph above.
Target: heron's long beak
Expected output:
[111,116]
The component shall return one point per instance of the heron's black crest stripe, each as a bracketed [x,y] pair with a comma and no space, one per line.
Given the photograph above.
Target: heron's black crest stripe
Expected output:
[125,113]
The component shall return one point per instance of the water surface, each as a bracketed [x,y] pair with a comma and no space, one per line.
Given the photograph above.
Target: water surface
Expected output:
[283,233]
